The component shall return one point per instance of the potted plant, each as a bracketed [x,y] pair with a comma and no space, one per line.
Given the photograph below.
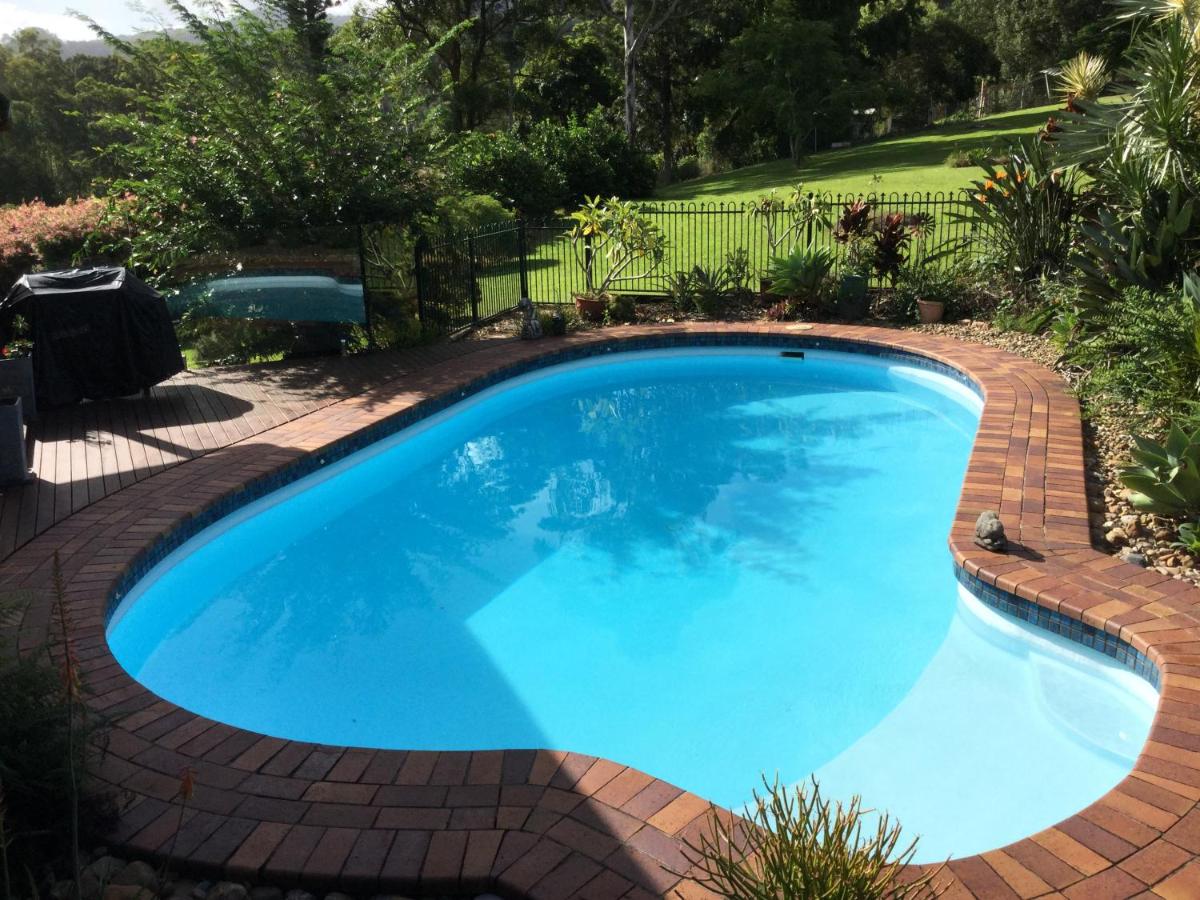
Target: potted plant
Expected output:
[16,368]
[608,238]
[852,300]
[923,292]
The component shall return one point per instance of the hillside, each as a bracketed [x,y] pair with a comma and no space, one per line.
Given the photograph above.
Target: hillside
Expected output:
[911,163]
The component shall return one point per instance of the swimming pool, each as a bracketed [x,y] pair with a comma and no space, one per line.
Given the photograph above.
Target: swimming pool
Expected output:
[705,564]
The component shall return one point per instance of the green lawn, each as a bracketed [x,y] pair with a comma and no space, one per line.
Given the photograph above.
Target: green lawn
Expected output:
[914,163]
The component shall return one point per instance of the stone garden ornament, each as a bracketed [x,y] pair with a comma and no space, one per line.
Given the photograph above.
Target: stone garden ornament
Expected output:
[989,532]
[531,326]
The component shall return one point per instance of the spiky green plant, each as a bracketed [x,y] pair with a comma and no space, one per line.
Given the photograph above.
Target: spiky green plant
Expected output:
[1083,77]
[798,845]
[1165,478]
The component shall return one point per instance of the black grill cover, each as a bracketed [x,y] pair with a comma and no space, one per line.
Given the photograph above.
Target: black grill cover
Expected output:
[97,333]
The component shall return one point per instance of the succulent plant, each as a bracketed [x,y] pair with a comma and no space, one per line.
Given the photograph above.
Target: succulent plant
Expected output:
[1165,478]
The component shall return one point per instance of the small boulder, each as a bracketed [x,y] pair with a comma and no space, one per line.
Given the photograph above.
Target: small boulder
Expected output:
[105,868]
[228,890]
[1117,537]
[989,532]
[138,874]
[128,892]
[1134,558]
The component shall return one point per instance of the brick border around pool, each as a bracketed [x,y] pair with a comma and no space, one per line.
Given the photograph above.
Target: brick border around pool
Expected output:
[552,824]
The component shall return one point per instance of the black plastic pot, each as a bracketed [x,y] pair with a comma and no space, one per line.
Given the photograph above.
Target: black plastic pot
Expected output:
[852,300]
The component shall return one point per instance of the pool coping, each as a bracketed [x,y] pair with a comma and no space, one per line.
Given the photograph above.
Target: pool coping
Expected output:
[547,823]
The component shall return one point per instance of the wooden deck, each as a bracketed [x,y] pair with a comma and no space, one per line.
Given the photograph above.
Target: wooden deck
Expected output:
[82,453]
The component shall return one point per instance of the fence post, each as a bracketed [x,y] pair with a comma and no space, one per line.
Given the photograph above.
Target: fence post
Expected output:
[808,238]
[366,290]
[471,282]
[523,258]
[421,275]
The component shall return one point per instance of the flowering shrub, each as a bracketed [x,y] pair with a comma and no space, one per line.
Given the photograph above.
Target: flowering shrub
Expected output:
[34,235]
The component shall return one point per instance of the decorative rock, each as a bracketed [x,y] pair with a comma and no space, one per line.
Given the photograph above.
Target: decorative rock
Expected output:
[1131,525]
[298,895]
[1117,537]
[138,873]
[262,892]
[200,891]
[228,890]
[128,892]
[1134,558]
[180,889]
[989,532]
[105,868]
[336,896]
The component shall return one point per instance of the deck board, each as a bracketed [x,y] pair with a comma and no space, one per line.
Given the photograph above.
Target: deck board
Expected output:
[81,454]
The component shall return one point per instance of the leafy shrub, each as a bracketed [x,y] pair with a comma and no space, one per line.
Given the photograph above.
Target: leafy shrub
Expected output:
[1027,212]
[556,323]
[594,158]
[798,844]
[1165,478]
[802,274]
[221,341]
[854,222]
[471,212]
[621,308]
[969,158]
[739,269]
[505,166]
[705,291]
[687,168]
[1141,348]
[36,236]
[46,796]
[609,237]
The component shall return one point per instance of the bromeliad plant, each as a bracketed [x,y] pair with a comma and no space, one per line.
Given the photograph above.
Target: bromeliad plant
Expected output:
[617,235]
[797,845]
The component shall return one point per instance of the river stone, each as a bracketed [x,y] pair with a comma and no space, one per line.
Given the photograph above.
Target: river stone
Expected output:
[128,892]
[1134,558]
[227,890]
[105,868]
[138,873]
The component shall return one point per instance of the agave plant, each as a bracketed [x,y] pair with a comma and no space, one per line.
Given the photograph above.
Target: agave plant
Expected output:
[801,273]
[1165,478]
[1083,77]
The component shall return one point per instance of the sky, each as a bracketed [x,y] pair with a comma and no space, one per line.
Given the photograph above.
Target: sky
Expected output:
[115,15]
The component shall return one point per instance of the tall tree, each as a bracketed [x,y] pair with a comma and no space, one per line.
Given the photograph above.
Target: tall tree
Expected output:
[473,59]
[636,30]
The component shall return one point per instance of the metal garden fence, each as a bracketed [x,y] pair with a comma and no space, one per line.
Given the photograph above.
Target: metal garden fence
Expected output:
[465,279]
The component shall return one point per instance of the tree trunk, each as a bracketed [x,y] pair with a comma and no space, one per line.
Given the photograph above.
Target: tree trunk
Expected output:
[630,72]
[667,103]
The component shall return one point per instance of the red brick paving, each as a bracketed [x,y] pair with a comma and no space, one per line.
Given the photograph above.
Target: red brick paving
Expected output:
[553,824]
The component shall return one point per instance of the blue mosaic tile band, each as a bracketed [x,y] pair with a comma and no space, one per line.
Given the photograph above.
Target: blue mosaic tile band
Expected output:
[1073,629]
[312,462]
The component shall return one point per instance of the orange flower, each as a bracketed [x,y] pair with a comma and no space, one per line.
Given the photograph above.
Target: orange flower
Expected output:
[1001,175]
[989,184]
[982,198]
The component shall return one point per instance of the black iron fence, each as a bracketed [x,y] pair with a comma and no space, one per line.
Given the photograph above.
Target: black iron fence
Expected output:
[465,279]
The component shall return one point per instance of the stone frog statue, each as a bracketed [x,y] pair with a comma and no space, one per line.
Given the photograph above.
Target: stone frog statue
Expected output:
[989,532]
[531,326]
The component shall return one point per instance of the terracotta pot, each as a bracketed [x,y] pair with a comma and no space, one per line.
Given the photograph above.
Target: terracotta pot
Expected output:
[930,311]
[591,308]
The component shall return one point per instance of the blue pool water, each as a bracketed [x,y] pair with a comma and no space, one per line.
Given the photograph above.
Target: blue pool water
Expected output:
[708,564]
